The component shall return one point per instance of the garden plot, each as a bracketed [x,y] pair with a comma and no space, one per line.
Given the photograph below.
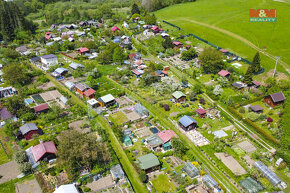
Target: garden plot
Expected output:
[118,118]
[130,113]
[51,97]
[46,86]
[78,124]
[37,99]
[231,163]
[28,186]
[143,132]
[8,171]
[197,138]
[249,160]
[247,146]
[103,183]
[123,101]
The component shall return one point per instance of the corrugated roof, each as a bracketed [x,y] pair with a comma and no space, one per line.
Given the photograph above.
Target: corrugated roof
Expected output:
[186,120]
[41,107]
[148,161]
[224,73]
[67,188]
[107,98]
[166,135]
[178,94]
[28,127]
[43,148]
[278,97]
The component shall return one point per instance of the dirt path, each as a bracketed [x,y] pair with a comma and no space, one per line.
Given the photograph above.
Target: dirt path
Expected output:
[242,39]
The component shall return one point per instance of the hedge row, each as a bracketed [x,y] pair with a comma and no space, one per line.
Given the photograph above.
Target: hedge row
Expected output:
[256,127]
[250,101]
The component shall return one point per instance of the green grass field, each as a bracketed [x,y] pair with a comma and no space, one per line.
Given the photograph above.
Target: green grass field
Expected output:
[118,118]
[226,23]
[162,184]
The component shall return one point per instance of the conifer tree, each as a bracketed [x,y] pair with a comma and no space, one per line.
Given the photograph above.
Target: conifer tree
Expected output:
[256,63]
[135,9]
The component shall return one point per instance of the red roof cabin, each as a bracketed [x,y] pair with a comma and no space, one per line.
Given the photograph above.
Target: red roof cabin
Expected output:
[115,28]
[156,29]
[177,44]
[275,99]
[81,88]
[224,73]
[166,135]
[83,50]
[43,108]
[27,131]
[256,84]
[201,113]
[90,93]
[44,151]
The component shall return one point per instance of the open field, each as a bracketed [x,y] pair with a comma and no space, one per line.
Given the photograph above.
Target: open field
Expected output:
[226,23]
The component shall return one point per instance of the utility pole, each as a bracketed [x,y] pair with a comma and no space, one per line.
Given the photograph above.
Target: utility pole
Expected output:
[277,58]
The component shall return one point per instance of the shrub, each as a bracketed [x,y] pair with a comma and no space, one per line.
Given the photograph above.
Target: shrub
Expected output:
[262,117]
[87,189]
[166,107]
[242,110]
[253,116]
[25,167]
[20,157]
[269,119]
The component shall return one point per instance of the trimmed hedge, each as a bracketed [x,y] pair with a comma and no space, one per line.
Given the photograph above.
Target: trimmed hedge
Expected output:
[250,101]
[256,127]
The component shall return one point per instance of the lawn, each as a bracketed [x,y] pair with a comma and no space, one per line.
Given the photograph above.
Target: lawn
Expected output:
[118,118]
[9,187]
[3,156]
[6,146]
[226,23]
[162,184]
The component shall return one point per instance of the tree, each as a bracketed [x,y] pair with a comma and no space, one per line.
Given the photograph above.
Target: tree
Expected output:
[143,177]
[25,167]
[20,157]
[218,90]
[179,147]
[167,43]
[211,60]
[119,55]
[248,78]
[256,66]
[189,54]
[150,19]
[192,96]
[78,150]
[135,9]
[15,74]
[28,116]
[16,106]
[197,88]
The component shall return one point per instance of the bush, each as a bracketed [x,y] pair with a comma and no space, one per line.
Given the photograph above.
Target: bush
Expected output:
[87,189]
[242,110]
[20,157]
[25,167]
[253,116]
[143,177]
[262,117]
[166,107]
[269,119]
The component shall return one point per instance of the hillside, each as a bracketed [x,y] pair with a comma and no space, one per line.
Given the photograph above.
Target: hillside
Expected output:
[11,20]
[226,23]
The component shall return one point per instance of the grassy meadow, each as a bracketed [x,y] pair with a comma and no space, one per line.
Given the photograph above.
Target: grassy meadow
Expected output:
[225,23]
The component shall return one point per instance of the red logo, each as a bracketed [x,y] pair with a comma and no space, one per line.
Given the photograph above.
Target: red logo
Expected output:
[260,13]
